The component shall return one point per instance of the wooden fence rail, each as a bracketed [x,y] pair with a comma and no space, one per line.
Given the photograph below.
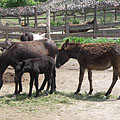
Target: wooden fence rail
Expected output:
[9,31]
[61,36]
[55,28]
[57,36]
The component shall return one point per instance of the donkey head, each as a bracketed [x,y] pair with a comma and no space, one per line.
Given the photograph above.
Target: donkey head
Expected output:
[27,37]
[62,55]
[24,66]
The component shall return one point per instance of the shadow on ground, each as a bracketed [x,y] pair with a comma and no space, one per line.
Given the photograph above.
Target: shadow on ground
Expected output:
[52,99]
[98,97]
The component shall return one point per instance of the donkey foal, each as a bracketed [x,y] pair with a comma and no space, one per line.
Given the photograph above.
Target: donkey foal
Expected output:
[35,66]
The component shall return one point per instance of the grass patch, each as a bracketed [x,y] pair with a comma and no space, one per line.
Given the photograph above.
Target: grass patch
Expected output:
[51,102]
[84,40]
[33,104]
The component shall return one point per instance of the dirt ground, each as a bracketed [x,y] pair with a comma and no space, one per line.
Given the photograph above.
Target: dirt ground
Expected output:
[67,81]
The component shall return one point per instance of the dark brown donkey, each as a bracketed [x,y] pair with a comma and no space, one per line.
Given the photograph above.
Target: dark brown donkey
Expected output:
[99,56]
[25,50]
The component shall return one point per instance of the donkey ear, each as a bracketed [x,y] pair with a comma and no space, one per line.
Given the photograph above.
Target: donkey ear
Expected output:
[67,41]
[22,64]
[65,44]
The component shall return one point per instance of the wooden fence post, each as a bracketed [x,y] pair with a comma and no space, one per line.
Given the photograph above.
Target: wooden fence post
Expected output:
[48,23]
[25,21]
[85,15]
[95,20]
[101,16]
[35,10]
[74,15]
[54,15]
[115,14]
[104,17]
[66,21]
[28,21]
[0,21]
[7,33]
[19,20]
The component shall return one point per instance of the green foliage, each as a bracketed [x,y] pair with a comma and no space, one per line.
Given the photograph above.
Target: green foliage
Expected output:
[91,40]
[56,23]
[84,40]
[40,0]
[3,3]
[16,3]
[75,21]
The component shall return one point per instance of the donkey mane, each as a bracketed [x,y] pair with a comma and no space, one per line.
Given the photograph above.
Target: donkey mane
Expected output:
[96,48]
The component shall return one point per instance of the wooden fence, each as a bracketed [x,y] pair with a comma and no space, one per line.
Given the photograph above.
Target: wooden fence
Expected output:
[83,14]
[56,33]
[101,29]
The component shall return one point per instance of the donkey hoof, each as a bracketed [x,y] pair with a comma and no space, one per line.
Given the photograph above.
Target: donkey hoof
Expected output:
[90,93]
[76,93]
[46,93]
[51,92]
[106,94]
[16,93]
[20,91]
[118,98]
[40,90]
[29,95]
[14,96]
[36,95]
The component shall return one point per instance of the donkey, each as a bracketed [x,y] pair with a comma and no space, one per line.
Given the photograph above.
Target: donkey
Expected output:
[92,56]
[82,30]
[22,51]
[29,36]
[35,66]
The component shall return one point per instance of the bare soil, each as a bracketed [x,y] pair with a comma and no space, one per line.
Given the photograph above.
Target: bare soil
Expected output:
[67,81]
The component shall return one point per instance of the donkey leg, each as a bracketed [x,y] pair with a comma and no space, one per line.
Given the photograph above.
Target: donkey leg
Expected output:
[16,87]
[48,76]
[53,84]
[90,81]
[36,85]
[17,80]
[81,75]
[20,86]
[115,78]
[43,84]
[53,81]
[31,84]
[20,83]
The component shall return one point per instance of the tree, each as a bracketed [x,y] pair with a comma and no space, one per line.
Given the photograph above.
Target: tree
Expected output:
[16,3]
[40,0]
[2,3]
